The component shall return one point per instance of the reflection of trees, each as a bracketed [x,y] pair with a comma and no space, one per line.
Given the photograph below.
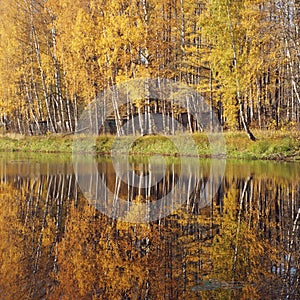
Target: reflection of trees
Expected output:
[245,244]
[144,190]
[254,245]
[33,213]
[13,266]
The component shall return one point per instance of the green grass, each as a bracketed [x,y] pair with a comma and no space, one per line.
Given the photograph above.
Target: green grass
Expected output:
[269,145]
[276,145]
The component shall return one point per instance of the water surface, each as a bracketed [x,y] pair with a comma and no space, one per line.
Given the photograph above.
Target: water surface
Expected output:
[57,243]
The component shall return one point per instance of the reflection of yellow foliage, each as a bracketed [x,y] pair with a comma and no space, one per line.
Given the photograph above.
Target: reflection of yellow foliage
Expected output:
[93,261]
[26,261]
[239,253]
[217,252]
[11,243]
[17,255]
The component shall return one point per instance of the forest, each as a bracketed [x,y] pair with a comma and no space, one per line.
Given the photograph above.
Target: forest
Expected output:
[242,56]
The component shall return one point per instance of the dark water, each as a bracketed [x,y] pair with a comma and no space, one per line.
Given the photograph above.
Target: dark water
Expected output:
[235,240]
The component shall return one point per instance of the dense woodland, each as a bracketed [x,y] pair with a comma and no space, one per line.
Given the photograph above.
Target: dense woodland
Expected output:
[57,56]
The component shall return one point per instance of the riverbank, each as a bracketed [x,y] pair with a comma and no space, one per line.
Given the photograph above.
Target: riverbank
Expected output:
[270,145]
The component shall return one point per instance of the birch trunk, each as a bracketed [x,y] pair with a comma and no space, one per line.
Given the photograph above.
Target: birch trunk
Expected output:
[237,82]
[58,91]
[43,76]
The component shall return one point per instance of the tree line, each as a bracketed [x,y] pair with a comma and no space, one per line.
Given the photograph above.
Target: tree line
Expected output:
[57,56]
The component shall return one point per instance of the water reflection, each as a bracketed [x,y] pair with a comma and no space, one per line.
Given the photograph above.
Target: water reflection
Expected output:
[144,189]
[56,245]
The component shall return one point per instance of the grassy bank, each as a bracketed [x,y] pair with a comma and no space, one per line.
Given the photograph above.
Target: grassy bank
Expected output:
[269,145]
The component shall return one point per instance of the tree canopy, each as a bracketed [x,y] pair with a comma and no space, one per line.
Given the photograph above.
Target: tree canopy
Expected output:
[56,57]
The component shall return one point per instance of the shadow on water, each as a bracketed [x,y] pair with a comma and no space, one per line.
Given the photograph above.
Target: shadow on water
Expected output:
[239,240]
